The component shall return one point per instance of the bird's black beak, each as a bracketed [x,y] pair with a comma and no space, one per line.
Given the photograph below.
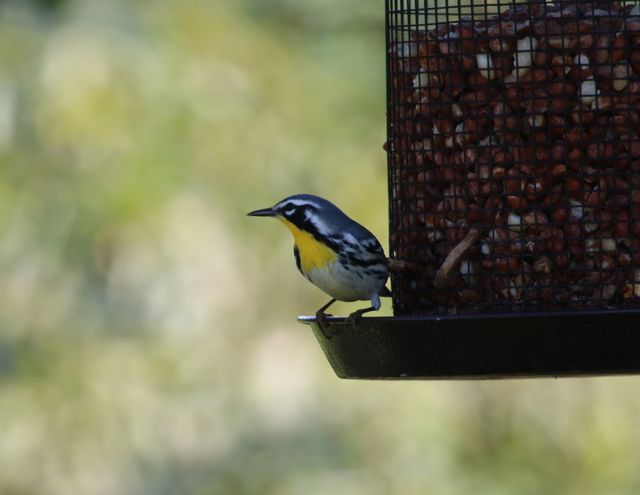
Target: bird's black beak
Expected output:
[265,212]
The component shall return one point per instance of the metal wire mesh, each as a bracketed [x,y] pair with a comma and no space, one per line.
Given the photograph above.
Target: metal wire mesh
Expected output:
[521,120]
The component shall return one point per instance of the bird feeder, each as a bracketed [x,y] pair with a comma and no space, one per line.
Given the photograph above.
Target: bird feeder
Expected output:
[514,187]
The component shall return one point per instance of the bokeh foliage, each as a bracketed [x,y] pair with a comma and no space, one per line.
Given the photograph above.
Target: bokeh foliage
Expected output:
[148,340]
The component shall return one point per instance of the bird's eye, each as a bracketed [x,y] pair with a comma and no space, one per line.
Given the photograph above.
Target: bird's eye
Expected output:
[289,212]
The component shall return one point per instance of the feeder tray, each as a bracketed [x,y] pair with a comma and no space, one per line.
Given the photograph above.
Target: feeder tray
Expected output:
[579,343]
[513,146]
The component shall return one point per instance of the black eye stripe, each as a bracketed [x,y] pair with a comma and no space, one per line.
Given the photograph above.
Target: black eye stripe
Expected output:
[293,211]
[300,217]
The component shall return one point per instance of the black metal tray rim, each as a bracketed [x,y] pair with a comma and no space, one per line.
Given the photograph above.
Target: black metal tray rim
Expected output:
[538,315]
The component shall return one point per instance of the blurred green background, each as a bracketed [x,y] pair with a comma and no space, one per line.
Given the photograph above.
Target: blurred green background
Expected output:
[148,340]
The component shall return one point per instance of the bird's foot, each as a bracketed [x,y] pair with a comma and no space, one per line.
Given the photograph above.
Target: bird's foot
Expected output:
[323,324]
[354,318]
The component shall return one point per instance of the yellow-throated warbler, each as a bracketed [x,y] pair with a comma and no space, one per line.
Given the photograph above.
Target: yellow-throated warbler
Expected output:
[333,252]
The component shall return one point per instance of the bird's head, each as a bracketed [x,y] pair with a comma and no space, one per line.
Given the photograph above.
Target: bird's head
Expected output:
[303,211]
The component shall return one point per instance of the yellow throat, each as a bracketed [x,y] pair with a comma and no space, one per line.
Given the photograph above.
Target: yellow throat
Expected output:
[313,254]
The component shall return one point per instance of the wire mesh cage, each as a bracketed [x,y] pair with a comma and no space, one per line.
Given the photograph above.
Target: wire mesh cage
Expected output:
[514,155]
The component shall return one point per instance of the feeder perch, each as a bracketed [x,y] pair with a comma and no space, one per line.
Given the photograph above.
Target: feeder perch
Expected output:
[513,150]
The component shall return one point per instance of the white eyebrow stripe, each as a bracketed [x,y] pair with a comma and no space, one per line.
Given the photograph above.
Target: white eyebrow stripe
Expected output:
[299,202]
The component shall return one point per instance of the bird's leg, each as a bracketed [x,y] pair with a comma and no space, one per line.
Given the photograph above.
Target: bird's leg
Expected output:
[353,318]
[321,318]
[321,312]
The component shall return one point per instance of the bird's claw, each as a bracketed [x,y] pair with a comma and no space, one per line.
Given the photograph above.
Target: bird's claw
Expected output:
[323,324]
[353,319]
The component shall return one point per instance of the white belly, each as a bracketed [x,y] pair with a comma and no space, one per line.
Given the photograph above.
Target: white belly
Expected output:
[343,284]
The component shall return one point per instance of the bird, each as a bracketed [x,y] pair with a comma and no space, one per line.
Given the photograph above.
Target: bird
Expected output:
[333,252]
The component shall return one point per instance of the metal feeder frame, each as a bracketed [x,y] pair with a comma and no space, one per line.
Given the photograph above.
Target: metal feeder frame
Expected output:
[544,330]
